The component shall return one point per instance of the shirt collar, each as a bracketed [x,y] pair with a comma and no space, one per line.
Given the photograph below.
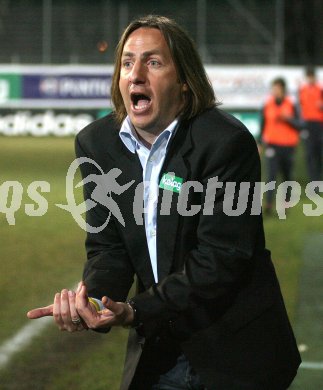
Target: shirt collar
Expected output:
[130,138]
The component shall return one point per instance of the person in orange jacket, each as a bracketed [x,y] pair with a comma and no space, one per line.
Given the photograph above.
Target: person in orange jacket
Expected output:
[311,105]
[279,136]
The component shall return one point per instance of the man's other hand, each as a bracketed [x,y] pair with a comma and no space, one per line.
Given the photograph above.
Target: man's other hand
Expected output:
[114,314]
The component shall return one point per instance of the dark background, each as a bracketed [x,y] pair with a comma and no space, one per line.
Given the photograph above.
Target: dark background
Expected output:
[284,32]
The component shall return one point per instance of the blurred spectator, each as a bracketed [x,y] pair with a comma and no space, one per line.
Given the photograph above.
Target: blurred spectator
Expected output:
[279,136]
[311,105]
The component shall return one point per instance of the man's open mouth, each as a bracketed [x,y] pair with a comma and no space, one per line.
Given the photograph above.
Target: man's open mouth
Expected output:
[140,101]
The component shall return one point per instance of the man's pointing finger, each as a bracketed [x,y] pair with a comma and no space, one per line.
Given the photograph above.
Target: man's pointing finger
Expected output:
[40,312]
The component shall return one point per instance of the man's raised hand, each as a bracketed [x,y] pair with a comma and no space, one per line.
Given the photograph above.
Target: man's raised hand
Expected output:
[114,314]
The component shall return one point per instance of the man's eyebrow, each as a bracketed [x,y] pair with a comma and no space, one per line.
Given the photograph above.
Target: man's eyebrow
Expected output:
[128,54]
[145,54]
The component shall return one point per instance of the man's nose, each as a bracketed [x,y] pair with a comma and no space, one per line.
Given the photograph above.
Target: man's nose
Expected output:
[138,73]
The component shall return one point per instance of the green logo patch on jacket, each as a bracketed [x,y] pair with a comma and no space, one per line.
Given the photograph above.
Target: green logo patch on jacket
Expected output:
[171,182]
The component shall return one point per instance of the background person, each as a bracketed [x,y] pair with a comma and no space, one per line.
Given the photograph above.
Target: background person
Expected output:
[208,311]
[279,137]
[311,105]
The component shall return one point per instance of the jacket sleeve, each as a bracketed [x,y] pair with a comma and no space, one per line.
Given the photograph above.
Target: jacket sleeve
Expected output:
[107,270]
[226,244]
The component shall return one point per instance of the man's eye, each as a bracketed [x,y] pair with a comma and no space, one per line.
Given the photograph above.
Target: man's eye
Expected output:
[127,64]
[154,63]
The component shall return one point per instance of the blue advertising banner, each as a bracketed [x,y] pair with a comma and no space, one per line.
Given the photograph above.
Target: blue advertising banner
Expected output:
[68,86]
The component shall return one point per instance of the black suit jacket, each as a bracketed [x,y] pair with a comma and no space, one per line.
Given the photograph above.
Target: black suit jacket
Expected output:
[218,299]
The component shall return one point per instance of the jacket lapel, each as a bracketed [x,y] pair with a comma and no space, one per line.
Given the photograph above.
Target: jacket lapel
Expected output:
[135,235]
[168,224]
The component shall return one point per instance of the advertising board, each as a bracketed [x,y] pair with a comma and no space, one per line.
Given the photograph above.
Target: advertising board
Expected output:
[59,100]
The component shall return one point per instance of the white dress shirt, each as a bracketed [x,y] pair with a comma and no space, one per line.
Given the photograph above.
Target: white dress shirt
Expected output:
[152,161]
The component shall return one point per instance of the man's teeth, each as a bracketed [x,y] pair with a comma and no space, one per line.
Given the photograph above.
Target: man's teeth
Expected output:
[142,103]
